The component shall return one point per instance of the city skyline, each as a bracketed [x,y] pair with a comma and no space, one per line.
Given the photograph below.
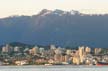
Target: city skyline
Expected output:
[30,7]
[54,55]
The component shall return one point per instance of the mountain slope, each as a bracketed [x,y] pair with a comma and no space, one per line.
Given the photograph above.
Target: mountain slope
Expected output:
[56,27]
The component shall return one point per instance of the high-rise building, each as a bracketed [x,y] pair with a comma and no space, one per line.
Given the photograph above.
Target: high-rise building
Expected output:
[81,54]
[41,50]
[4,49]
[97,50]
[35,50]
[16,49]
[52,47]
[58,51]
[7,49]
[81,51]
[87,50]
[68,52]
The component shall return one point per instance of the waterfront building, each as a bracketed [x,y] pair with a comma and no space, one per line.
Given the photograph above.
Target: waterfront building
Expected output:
[88,62]
[22,62]
[40,61]
[51,61]
[57,58]
[67,58]
[76,60]
[62,58]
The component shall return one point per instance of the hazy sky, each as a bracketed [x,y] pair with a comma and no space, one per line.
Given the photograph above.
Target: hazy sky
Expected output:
[29,7]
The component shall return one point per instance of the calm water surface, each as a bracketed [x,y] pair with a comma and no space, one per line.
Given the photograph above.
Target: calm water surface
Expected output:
[54,68]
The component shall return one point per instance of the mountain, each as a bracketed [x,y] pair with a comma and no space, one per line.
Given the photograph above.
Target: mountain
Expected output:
[64,28]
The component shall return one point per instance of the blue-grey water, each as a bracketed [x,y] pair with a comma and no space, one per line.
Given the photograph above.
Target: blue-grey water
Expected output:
[54,68]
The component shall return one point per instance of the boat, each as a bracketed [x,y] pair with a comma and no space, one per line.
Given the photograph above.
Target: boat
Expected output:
[102,63]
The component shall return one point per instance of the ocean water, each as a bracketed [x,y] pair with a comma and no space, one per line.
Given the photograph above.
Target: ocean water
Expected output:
[54,68]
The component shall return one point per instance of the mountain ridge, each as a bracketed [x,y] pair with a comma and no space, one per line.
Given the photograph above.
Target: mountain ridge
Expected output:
[61,28]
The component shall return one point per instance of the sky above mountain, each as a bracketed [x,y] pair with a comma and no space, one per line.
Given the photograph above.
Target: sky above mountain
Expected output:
[29,7]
